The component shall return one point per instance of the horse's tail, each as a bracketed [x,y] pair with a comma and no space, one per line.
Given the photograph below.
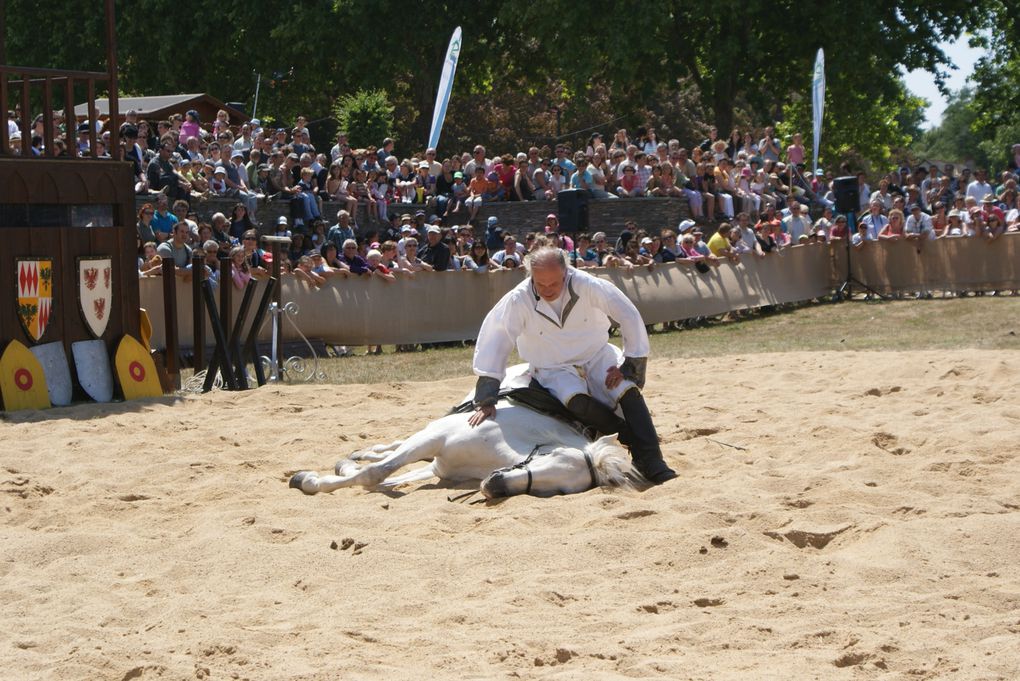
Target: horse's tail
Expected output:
[613,467]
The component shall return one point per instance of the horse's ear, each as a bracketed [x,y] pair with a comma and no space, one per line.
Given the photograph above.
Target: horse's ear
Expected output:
[607,441]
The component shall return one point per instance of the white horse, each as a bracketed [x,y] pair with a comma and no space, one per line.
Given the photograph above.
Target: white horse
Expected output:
[520,451]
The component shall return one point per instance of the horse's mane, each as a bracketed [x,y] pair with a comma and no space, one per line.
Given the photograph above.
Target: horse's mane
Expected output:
[613,466]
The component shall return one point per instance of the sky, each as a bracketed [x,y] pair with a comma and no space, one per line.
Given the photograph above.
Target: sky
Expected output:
[922,83]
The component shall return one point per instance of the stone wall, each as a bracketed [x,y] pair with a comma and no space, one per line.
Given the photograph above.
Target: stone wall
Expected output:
[607,215]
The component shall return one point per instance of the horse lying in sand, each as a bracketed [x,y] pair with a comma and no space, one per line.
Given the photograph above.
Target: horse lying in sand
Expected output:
[520,451]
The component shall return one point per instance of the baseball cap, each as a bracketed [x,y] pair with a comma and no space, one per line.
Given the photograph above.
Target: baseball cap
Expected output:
[405,228]
[646,240]
[685,225]
[237,154]
[220,170]
[434,229]
[435,218]
[419,214]
[551,216]
[282,220]
[458,174]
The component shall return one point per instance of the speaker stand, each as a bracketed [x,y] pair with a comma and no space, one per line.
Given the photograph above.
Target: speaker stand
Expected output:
[845,290]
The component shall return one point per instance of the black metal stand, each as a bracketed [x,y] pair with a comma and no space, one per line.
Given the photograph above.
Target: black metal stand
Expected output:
[846,291]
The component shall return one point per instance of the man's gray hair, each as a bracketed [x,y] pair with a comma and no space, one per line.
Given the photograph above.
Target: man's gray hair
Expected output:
[546,256]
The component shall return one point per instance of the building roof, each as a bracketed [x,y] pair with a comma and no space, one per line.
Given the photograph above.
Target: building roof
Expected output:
[159,103]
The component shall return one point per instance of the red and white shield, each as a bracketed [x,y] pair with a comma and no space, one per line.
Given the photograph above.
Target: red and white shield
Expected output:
[35,294]
[95,292]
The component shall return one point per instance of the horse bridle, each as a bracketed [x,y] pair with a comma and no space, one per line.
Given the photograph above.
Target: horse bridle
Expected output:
[535,452]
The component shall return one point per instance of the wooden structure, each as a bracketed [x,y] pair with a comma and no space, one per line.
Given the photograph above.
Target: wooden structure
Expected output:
[56,212]
[156,108]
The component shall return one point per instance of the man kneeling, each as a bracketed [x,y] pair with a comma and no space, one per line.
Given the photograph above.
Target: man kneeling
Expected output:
[559,319]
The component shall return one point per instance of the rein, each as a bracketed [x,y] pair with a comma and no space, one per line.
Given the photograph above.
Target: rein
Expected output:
[535,452]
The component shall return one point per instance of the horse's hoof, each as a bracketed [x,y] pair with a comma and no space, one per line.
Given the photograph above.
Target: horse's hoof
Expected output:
[339,466]
[298,479]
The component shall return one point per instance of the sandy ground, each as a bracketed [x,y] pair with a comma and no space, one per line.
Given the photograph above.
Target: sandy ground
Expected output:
[865,524]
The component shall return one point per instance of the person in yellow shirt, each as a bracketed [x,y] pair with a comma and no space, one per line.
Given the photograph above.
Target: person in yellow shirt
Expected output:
[719,244]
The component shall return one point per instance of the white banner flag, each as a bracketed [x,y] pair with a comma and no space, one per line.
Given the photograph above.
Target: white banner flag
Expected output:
[445,87]
[818,100]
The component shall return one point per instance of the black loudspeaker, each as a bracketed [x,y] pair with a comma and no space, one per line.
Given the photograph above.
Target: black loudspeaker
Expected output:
[572,210]
[848,197]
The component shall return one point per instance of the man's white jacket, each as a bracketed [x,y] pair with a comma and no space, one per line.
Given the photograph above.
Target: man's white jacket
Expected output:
[546,340]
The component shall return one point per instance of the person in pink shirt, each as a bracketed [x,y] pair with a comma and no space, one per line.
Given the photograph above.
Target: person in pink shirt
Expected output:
[795,152]
[190,127]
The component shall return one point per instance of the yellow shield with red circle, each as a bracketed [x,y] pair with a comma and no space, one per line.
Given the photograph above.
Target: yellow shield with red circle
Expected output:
[135,370]
[22,380]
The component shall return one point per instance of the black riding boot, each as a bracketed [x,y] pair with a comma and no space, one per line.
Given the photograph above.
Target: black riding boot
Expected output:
[593,414]
[639,435]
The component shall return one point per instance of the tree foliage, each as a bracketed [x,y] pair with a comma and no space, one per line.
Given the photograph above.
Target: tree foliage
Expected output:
[673,63]
[366,116]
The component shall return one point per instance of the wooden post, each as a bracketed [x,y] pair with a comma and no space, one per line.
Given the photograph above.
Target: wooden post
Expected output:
[226,289]
[198,311]
[93,149]
[170,322]
[26,117]
[3,42]
[251,343]
[48,115]
[236,352]
[4,142]
[111,67]
[70,120]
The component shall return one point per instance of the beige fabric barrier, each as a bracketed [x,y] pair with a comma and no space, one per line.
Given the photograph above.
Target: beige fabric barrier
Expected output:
[441,306]
[944,264]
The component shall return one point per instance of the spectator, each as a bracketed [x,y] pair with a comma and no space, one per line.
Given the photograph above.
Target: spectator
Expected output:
[240,271]
[146,233]
[354,262]
[979,188]
[410,260]
[477,190]
[719,244]
[435,253]
[508,257]
[305,271]
[795,152]
[240,222]
[178,250]
[477,259]
[862,237]
[796,225]
[163,220]
[894,229]
[629,185]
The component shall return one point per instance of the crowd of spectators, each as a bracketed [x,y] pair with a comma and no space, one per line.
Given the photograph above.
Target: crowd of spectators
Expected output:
[758,186]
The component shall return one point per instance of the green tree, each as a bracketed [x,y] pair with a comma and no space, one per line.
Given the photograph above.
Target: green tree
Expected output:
[367,116]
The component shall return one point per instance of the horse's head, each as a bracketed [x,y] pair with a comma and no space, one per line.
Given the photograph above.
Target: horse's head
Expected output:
[562,470]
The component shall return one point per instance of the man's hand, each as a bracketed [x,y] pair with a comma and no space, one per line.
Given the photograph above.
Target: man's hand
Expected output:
[480,415]
[613,377]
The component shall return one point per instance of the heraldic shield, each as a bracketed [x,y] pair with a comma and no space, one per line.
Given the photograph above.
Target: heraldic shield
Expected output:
[35,294]
[95,292]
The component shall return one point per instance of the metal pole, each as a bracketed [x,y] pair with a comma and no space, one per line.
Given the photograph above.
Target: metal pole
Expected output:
[255,106]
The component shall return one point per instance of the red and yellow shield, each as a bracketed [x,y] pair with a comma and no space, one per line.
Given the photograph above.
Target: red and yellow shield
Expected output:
[35,294]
